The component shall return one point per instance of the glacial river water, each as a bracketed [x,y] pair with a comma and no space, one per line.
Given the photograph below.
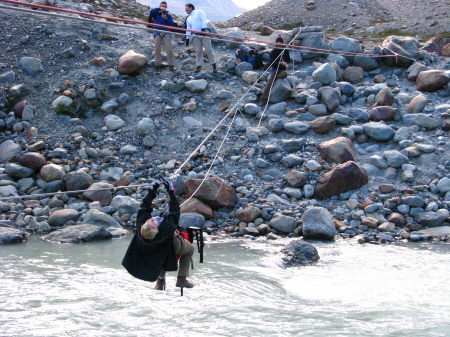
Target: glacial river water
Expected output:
[241,290]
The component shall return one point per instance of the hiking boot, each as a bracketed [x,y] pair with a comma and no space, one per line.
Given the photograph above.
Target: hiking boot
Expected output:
[262,101]
[160,284]
[182,282]
[158,69]
[199,68]
[171,68]
[214,68]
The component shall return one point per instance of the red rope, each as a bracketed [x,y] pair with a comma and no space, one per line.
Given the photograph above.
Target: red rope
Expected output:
[244,39]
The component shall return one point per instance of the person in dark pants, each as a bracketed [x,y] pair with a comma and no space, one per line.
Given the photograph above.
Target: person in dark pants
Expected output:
[156,243]
[279,59]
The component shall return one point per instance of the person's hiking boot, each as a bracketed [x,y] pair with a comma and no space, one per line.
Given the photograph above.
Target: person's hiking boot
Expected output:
[199,68]
[214,68]
[262,101]
[160,284]
[158,69]
[182,282]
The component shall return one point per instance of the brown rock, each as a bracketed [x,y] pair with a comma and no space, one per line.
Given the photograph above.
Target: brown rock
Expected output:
[370,222]
[323,125]
[18,108]
[362,138]
[365,203]
[94,194]
[266,31]
[417,104]
[338,150]
[36,146]
[131,62]
[446,125]
[432,80]
[31,133]
[446,50]
[397,219]
[382,113]
[353,74]
[124,181]
[436,45]
[385,97]
[386,188]
[215,191]
[249,214]
[32,160]
[380,78]
[296,178]
[70,93]
[223,106]
[263,229]
[197,206]
[343,178]
[98,61]
[51,172]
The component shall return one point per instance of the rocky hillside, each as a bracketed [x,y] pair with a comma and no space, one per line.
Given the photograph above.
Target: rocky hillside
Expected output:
[364,140]
[361,18]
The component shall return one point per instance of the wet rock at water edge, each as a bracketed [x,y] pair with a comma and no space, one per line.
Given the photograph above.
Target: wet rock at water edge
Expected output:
[299,253]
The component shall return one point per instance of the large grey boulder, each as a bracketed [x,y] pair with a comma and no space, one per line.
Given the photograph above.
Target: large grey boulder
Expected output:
[62,216]
[242,67]
[379,131]
[31,65]
[401,46]
[314,42]
[192,219]
[78,234]
[299,253]
[196,86]
[281,90]
[346,44]
[330,97]
[318,224]
[325,74]
[98,218]
[124,205]
[113,122]
[11,235]
[18,171]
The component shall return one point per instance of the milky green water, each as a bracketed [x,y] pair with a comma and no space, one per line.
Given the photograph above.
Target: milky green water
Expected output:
[241,290]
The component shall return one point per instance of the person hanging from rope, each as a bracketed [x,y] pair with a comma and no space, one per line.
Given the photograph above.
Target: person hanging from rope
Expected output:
[162,36]
[279,61]
[157,244]
[196,20]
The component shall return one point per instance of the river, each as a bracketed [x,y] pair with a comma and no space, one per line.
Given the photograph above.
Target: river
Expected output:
[355,290]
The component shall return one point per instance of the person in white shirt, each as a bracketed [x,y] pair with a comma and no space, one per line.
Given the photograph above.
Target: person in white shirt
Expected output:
[196,20]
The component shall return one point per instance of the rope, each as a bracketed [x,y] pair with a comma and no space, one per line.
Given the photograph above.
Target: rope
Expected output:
[220,37]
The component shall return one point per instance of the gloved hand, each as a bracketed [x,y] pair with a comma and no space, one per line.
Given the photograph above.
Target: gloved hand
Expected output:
[187,42]
[155,185]
[168,184]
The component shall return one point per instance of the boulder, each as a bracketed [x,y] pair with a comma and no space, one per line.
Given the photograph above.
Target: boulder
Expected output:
[97,192]
[314,42]
[338,150]
[382,113]
[31,65]
[18,108]
[432,80]
[249,214]
[353,74]
[9,150]
[401,46]
[296,178]
[197,206]
[446,50]
[77,180]
[196,86]
[250,77]
[17,171]
[281,90]
[242,67]
[283,223]
[32,160]
[384,97]
[436,45]
[191,220]
[378,131]
[346,44]
[325,74]
[125,205]
[113,122]
[365,62]
[62,216]
[415,69]
[323,125]
[77,234]
[98,218]
[417,104]
[299,253]
[52,172]
[131,63]
[343,178]
[215,191]
[10,235]
[317,224]
[330,97]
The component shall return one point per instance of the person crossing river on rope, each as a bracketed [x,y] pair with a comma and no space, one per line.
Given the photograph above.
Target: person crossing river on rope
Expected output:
[157,243]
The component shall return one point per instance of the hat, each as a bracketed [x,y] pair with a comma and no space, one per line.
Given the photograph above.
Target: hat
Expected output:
[279,39]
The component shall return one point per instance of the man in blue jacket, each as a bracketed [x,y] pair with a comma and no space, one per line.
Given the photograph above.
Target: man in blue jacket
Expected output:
[162,36]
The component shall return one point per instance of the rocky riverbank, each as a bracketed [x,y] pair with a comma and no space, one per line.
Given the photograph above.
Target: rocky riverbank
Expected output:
[354,147]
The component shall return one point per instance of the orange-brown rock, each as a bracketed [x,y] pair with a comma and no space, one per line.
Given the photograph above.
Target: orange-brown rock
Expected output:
[343,178]
[32,160]
[249,214]
[131,63]
[431,80]
[338,150]
[382,113]
[215,191]
[323,125]
[197,206]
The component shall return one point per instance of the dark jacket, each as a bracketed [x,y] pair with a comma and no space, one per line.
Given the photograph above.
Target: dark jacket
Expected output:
[155,14]
[144,258]
[275,60]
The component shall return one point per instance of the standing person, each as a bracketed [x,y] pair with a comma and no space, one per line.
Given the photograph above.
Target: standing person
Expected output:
[279,60]
[156,243]
[196,20]
[161,16]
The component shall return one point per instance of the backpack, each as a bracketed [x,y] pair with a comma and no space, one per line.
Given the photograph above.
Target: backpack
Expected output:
[250,55]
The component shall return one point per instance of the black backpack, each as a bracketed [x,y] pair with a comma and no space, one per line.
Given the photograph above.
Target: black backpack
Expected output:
[250,55]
